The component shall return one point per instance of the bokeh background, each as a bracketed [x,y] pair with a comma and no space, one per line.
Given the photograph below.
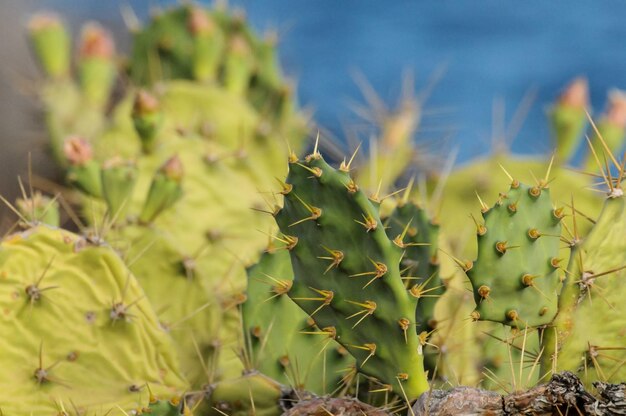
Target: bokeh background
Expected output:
[481,59]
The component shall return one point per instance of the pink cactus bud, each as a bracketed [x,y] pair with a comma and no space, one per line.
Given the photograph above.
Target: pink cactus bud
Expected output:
[199,22]
[576,94]
[616,109]
[96,41]
[173,168]
[77,150]
[44,20]
[145,103]
[239,45]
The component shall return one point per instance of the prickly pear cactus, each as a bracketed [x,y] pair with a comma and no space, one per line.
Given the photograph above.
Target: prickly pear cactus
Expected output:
[347,274]
[286,344]
[515,277]
[590,331]
[76,328]
[175,176]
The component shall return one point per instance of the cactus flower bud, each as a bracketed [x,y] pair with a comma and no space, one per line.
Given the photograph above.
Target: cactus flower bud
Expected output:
[77,150]
[209,44]
[568,118]
[118,181]
[164,191]
[51,44]
[147,118]
[84,171]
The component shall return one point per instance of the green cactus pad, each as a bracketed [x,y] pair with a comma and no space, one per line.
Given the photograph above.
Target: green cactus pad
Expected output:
[286,344]
[514,278]
[347,274]
[76,328]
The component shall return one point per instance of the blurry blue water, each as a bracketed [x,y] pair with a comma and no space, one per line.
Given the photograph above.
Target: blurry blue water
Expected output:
[490,49]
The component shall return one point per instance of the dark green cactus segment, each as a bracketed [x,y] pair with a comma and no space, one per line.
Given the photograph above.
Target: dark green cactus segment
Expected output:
[163,48]
[513,279]
[409,228]
[216,46]
[193,43]
[348,274]
[286,344]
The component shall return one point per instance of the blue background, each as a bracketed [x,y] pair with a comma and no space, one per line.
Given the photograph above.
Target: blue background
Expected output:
[490,51]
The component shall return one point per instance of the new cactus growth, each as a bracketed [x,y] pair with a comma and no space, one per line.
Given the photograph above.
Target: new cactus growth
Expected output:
[568,118]
[347,273]
[609,130]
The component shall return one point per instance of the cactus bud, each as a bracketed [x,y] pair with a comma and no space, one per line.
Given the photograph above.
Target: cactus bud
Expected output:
[568,118]
[118,182]
[209,44]
[611,128]
[164,191]
[147,118]
[615,117]
[51,44]
[96,66]
[84,171]
[239,65]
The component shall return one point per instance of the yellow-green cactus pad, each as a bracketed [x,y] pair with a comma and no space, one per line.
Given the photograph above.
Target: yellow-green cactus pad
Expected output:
[76,327]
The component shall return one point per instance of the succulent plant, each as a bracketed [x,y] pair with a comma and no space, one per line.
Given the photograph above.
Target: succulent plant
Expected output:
[173,174]
[172,288]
